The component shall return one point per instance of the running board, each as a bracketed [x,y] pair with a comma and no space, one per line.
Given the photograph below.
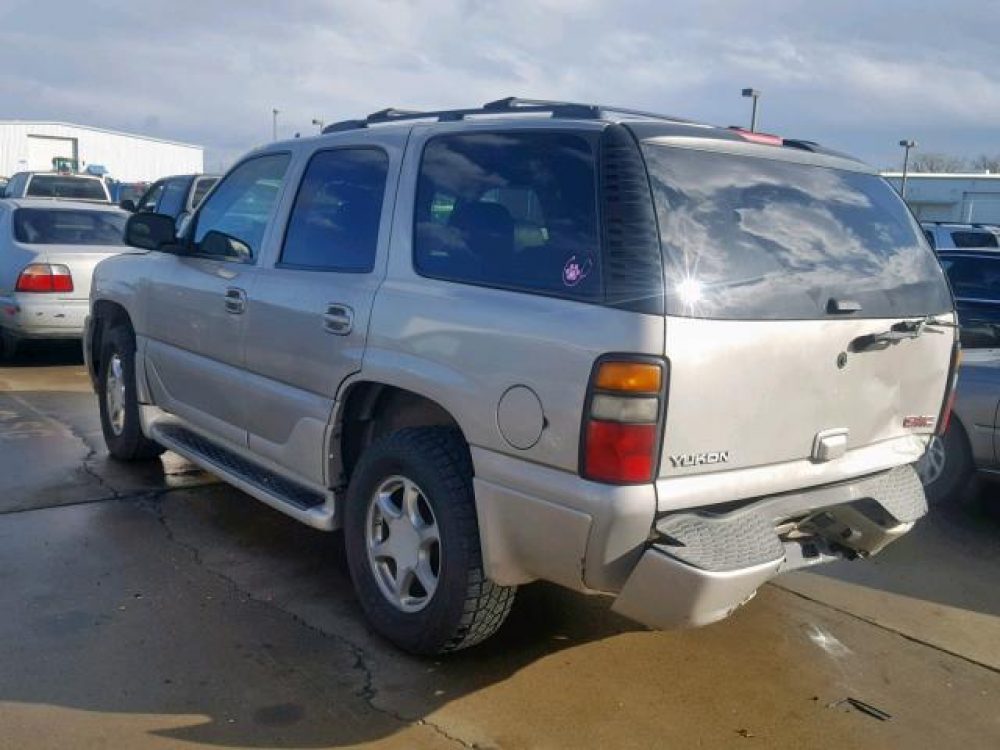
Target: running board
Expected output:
[317,509]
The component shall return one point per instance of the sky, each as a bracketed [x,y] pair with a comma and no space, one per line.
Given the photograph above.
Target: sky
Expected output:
[856,75]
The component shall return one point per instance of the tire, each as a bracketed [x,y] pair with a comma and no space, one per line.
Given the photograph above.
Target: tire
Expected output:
[947,467]
[9,346]
[120,415]
[463,607]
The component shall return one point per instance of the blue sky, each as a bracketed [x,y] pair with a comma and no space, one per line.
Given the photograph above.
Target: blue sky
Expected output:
[856,75]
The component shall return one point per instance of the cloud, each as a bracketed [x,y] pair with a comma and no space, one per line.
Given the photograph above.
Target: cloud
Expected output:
[857,75]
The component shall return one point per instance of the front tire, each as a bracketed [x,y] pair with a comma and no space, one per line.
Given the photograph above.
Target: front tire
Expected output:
[119,402]
[946,467]
[9,346]
[413,548]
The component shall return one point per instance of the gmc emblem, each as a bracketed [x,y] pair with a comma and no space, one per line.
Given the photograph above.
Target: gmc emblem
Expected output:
[912,422]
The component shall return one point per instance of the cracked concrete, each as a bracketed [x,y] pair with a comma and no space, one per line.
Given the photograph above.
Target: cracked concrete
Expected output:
[149,606]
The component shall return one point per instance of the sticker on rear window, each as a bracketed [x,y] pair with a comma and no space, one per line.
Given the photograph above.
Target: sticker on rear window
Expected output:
[576,271]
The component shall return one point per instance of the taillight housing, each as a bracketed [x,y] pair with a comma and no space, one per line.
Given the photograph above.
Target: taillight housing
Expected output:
[45,278]
[623,420]
[951,390]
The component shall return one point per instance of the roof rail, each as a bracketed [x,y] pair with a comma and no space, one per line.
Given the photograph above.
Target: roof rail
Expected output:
[508,105]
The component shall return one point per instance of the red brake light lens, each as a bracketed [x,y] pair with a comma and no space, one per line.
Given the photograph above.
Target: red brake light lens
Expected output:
[949,399]
[45,278]
[620,452]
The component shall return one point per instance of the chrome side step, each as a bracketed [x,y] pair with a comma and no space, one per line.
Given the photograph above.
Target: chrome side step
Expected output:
[317,509]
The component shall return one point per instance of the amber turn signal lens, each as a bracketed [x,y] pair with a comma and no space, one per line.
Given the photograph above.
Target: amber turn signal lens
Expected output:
[631,377]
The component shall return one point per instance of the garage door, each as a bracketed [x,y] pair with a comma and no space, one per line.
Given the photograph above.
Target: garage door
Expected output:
[42,149]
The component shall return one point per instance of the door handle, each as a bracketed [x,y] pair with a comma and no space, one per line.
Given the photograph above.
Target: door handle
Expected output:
[338,319]
[236,301]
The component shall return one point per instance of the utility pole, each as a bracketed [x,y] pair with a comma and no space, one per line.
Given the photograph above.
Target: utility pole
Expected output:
[907,145]
[274,124]
[755,95]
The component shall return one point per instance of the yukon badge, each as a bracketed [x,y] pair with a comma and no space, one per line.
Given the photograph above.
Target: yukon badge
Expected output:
[687,460]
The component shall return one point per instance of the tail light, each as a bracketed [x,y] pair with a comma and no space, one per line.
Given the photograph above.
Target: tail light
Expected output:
[623,420]
[951,391]
[45,277]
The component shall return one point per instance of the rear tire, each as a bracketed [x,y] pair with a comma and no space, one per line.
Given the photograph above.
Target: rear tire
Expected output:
[9,346]
[119,402]
[459,606]
[947,466]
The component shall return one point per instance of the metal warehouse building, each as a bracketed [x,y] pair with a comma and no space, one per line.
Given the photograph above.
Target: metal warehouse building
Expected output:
[968,197]
[131,158]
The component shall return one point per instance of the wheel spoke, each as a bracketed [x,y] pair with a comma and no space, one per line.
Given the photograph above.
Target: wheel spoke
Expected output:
[411,503]
[426,577]
[403,582]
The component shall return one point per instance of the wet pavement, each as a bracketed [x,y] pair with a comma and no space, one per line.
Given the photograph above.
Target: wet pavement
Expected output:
[150,606]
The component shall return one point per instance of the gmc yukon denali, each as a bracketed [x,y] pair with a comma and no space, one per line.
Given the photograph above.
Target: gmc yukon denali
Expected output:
[622,352]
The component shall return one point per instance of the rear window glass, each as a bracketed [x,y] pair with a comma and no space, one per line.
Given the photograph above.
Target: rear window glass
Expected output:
[60,186]
[44,226]
[974,239]
[511,210]
[201,187]
[753,238]
[974,278]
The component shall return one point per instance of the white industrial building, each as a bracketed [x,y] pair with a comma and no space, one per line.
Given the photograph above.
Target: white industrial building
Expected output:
[961,197]
[31,146]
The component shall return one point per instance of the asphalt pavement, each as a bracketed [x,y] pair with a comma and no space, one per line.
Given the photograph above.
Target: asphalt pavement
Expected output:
[148,606]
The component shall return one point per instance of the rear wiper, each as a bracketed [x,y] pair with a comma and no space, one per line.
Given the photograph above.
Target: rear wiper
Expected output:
[904,329]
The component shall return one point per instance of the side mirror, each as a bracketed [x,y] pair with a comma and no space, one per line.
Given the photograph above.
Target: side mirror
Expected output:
[150,231]
[128,204]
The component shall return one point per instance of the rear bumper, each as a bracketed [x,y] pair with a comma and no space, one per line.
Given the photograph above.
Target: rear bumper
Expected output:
[684,568]
[41,316]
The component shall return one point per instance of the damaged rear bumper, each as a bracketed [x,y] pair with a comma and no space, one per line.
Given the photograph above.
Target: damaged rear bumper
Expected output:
[703,564]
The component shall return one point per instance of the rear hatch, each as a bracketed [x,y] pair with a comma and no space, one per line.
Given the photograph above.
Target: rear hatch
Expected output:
[798,287]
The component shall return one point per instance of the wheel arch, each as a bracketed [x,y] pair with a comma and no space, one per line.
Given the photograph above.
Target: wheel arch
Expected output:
[105,315]
[368,409]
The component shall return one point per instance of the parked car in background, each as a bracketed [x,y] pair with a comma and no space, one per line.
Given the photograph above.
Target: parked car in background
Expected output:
[48,251]
[952,236]
[77,187]
[176,196]
[971,442]
[3,185]
[127,191]
[535,340]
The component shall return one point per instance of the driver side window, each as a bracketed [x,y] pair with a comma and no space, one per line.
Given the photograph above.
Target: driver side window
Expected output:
[232,221]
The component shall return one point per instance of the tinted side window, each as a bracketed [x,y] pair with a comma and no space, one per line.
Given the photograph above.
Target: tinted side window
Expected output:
[151,198]
[974,239]
[974,278]
[232,221]
[201,186]
[174,193]
[334,222]
[514,210]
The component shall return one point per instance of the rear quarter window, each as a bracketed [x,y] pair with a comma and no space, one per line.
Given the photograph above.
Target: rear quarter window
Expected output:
[59,186]
[974,239]
[515,210]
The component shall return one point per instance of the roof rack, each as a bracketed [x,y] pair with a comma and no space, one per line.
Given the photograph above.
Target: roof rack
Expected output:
[509,105]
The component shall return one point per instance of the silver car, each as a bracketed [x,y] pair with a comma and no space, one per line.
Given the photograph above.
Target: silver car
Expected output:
[48,251]
[622,352]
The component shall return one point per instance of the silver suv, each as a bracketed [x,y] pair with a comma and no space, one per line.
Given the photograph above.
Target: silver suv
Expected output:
[621,352]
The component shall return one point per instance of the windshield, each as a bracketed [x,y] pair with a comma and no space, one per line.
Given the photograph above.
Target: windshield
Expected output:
[61,226]
[66,186]
[751,238]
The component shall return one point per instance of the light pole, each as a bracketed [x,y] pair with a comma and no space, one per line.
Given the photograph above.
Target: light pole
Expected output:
[907,145]
[319,124]
[274,124]
[755,95]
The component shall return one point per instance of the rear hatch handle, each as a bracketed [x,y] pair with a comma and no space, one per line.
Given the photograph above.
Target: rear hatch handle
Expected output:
[904,329]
